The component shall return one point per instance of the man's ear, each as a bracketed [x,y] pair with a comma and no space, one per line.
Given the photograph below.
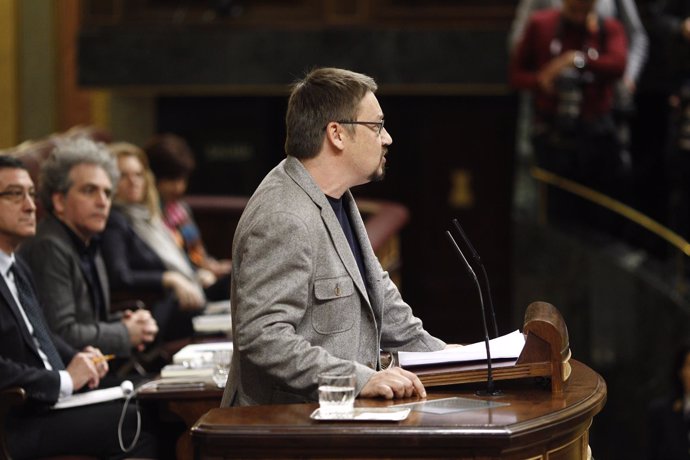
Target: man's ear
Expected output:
[334,135]
[58,200]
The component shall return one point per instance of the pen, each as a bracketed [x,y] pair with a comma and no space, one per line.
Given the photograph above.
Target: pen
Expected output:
[100,359]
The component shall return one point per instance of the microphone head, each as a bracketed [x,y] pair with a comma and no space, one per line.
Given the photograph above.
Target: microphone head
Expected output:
[127,387]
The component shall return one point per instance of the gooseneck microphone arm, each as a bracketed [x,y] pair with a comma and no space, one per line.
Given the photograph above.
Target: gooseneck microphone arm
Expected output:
[475,256]
[490,390]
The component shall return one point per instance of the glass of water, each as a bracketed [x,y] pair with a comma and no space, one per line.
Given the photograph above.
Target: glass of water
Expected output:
[336,395]
[221,367]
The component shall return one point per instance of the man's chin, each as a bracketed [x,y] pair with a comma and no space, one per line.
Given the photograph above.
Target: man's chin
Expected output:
[378,175]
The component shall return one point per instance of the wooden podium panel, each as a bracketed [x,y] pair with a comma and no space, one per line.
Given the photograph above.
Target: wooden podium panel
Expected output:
[537,424]
[187,405]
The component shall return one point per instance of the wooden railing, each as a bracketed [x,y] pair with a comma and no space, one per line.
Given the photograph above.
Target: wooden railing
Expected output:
[547,178]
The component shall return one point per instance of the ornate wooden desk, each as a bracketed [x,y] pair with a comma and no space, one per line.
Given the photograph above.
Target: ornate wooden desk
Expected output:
[537,424]
[187,405]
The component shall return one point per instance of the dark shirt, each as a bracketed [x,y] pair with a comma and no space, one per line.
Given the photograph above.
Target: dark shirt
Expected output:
[131,263]
[87,261]
[342,214]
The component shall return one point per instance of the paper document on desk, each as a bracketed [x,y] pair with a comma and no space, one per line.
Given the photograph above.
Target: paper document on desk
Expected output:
[90,397]
[200,352]
[215,323]
[191,370]
[217,307]
[508,346]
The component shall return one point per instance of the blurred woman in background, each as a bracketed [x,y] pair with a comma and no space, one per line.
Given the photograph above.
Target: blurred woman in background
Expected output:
[140,253]
[172,162]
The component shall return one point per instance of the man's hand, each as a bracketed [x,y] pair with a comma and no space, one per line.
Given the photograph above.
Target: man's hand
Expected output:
[546,78]
[206,277]
[83,371]
[95,354]
[188,295]
[218,267]
[141,326]
[391,383]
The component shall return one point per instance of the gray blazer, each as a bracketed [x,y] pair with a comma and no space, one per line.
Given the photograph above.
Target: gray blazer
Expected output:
[64,293]
[299,303]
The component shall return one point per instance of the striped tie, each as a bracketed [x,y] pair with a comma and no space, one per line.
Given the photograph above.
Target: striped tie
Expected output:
[33,312]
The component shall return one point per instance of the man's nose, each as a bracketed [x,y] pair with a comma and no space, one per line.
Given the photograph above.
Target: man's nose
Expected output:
[386,137]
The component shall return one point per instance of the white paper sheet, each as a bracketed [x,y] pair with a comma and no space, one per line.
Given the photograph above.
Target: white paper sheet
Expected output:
[508,346]
[90,397]
[200,352]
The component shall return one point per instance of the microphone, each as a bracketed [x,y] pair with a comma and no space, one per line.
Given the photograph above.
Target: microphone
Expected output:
[127,387]
[490,389]
[478,260]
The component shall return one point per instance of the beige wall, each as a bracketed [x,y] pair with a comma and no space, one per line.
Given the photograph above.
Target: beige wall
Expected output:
[37,69]
[38,87]
[9,82]
[27,70]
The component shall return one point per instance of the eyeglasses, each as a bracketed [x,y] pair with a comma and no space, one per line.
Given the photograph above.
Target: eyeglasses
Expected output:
[378,124]
[18,195]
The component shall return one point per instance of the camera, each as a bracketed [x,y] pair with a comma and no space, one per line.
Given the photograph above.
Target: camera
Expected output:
[569,92]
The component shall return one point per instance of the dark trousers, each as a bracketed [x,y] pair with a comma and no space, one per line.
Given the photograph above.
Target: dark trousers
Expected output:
[87,430]
[588,154]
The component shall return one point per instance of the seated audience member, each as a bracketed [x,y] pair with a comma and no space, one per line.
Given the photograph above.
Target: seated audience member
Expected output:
[669,417]
[33,358]
[65,257]
[172,161]
[139,251]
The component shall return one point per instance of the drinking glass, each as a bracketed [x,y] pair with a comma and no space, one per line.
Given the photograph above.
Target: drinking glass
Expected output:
[336,395]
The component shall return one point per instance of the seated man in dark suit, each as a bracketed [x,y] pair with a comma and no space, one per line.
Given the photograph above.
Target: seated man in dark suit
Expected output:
[77,181]
[31,357]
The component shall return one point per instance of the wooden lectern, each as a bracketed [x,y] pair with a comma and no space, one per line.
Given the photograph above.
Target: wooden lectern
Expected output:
[529,424]
[534,424]
[546,354]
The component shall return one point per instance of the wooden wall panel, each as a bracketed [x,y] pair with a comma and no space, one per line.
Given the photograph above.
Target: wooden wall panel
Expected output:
[74,103]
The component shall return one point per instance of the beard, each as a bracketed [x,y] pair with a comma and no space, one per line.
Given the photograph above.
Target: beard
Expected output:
[380,173]
[377,176]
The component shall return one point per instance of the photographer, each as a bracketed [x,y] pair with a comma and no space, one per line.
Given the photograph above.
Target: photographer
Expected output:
[571,59]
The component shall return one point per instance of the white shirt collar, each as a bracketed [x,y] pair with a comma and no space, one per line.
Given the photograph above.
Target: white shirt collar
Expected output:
[6,262]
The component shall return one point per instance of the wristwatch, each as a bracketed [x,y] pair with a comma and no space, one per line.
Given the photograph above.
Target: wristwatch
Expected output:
[579,60]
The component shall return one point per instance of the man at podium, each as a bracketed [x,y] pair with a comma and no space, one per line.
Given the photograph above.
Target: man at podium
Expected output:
[308,294]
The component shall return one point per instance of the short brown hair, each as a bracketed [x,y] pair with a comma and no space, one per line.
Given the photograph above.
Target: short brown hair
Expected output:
[324,95]
[170,157]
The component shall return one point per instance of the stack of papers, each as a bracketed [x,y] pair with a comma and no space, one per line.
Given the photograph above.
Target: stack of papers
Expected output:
[188,370]
[217,307]
[200,352]
[220,323]
[508,346]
